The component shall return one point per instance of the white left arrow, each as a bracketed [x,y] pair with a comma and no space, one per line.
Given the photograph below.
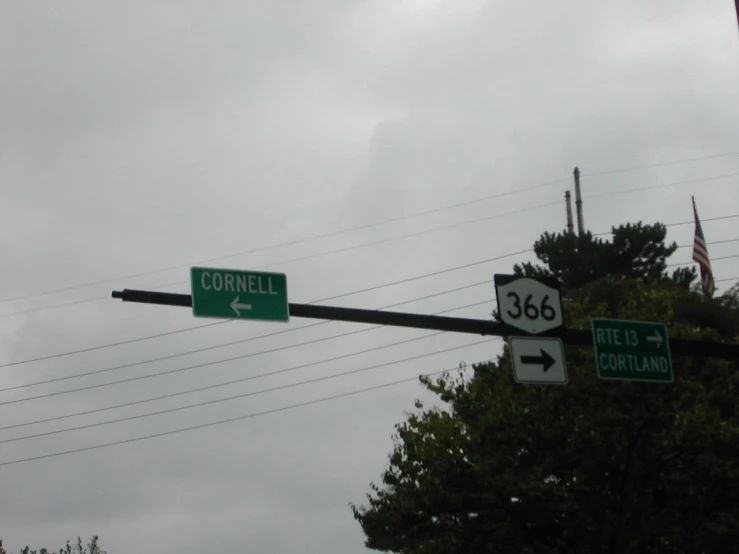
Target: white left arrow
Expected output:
[656,337]
[236,306]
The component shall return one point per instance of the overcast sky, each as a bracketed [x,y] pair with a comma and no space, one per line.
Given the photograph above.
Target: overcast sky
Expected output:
[145,137]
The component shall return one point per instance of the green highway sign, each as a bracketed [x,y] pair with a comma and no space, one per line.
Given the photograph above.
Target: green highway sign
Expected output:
[632,350]
[235,294]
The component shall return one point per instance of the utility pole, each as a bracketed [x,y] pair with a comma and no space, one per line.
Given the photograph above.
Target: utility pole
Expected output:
[578,203]
[568,202]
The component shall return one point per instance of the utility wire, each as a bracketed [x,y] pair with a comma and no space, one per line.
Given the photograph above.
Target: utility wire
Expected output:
[112,344]
[400,237]
[241,341]
[435,273]
[310,256]
[187,368]
[290,243]
[250,355]
[712,260]
[254,393]
[345,249]
[710,242]
[661,164]
[678,223]
[651,187]
[195,327]
[207,387]
[692,222]
[223,421]
[343,295]
[343,231]
[224,384]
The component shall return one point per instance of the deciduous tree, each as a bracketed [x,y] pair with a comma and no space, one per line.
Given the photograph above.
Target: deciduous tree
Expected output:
[594,466]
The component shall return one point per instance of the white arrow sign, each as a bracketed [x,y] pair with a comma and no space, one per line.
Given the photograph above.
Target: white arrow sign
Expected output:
[236,306]
[538,360]
[656,337]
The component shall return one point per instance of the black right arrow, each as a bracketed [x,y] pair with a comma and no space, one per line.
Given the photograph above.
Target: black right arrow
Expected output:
[545,360]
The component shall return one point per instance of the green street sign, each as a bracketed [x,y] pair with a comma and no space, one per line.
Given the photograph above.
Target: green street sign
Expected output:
[632,350]
[235,294]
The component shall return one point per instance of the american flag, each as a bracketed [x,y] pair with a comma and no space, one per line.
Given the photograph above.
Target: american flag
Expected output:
[700,255]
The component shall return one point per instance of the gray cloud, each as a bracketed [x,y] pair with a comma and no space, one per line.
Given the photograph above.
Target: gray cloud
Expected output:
[136,137]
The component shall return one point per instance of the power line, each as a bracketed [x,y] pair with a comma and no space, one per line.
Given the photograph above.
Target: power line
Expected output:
[146,415]
[345,249]
[343,295]
[223,421]
[712,260]
[196,366]
[661,164]
[636,189]
[178,370]
[180,354]
[196,327]
[435,273]
[289,243]
[710,242]
[335,233]
[405,236]
[112,344]
[692,222]
[207,387]
[310,256]
[248,339]
[678,223]
[485,261]
[55,306]
[253,393]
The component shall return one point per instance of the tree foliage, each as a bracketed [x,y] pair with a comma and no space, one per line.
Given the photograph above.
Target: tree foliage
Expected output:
[594,466]
[92,547]
[636,251]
